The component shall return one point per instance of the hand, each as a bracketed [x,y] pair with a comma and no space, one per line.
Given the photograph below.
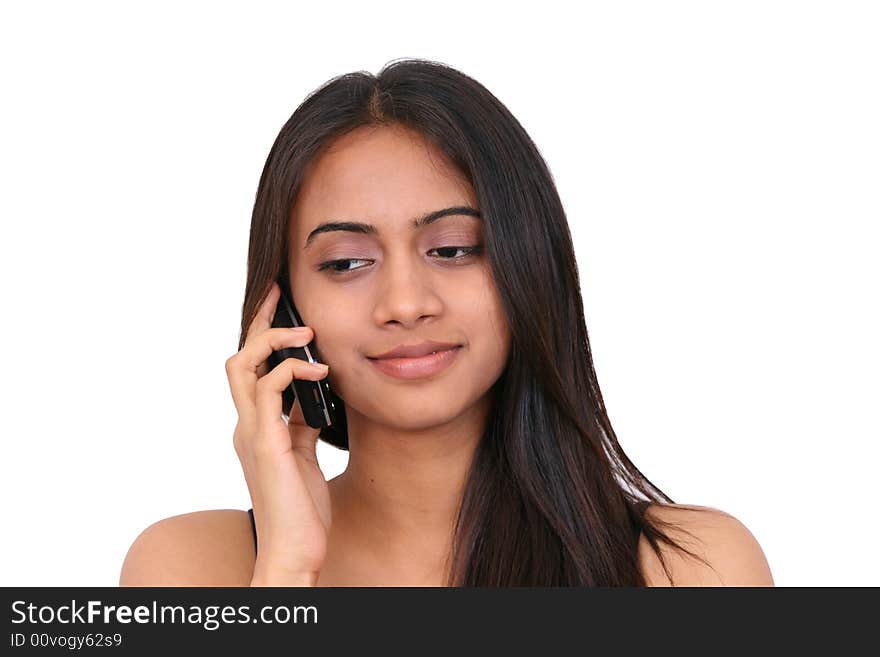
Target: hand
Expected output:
[290,497]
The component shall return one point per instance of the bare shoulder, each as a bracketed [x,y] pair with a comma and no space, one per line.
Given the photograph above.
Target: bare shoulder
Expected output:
[733,554]
[202,548]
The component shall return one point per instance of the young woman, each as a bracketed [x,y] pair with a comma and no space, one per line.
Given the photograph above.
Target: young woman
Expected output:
[411,212]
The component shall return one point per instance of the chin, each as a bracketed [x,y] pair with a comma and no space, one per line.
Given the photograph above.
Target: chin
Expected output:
[416,410]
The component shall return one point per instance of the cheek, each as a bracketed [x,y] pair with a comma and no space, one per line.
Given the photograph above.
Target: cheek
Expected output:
[340,350]
[330,317]
[489,336]
[336,348]
[495,350]
[492,316]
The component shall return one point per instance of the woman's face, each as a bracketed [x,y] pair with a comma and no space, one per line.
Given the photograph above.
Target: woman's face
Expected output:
[394,287]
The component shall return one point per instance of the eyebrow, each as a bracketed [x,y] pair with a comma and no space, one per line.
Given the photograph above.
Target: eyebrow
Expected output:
[370,229]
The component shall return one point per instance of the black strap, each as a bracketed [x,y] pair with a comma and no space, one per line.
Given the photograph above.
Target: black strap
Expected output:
[253,526]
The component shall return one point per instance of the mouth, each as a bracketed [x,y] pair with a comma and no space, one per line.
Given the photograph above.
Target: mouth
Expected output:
[417,367]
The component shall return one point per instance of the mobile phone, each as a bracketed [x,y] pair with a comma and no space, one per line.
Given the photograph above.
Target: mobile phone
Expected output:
[319,404]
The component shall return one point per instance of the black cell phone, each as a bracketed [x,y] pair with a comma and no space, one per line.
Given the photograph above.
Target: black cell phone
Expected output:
[319,404]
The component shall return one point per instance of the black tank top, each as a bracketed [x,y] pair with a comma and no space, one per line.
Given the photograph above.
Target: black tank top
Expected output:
[253,527]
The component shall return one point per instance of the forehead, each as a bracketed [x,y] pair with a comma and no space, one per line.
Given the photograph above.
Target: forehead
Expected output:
[386,173]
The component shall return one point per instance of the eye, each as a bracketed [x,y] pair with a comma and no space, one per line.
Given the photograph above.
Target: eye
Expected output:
[333,264]
[338,267]
[468,250]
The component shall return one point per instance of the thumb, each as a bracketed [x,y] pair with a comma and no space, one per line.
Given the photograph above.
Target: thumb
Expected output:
[303,438]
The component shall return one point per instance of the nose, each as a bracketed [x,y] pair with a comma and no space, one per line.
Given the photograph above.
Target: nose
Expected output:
[407,293]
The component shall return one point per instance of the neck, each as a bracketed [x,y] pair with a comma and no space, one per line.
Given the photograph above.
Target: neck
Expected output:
[399,497]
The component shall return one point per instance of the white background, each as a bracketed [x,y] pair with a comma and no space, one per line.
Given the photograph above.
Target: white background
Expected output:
[719,164]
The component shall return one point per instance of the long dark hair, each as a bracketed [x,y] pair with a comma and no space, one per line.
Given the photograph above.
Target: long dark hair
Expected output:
[551,498]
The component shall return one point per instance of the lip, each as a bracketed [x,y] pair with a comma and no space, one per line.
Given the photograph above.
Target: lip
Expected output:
[418,367]
[416,350]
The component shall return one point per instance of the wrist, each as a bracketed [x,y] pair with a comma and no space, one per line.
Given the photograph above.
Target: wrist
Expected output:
[266,577]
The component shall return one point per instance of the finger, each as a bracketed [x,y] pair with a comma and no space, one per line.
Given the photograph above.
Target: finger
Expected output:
[242,369]
[268,401]
[263,320]
[265,313]
[255,353]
